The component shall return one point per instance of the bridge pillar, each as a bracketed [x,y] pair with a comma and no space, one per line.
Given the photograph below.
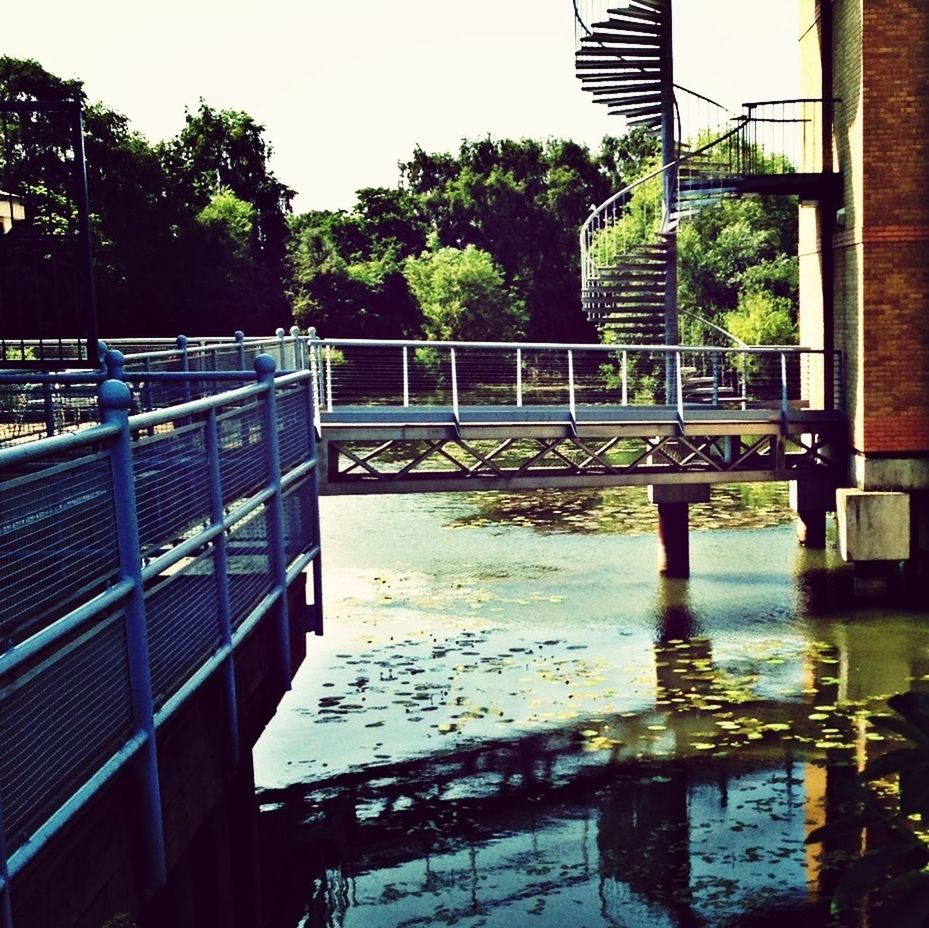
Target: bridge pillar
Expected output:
[673,501]
[874,535]
[811,501]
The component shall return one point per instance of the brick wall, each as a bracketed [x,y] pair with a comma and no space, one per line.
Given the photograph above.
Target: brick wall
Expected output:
[895,233]
[880,55]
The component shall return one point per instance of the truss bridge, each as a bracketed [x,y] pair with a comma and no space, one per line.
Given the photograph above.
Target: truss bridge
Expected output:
[408,417]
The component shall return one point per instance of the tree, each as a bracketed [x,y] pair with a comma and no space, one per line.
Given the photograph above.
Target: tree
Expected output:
[346,268]
[462,295]
[738,248]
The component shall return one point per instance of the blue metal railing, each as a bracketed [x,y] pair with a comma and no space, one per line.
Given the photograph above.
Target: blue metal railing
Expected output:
[383,373]
[135,555]
[36,404]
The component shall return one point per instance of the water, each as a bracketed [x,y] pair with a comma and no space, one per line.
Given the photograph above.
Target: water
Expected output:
[513,721]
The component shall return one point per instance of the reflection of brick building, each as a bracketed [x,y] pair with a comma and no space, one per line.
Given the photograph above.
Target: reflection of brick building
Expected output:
[872,56]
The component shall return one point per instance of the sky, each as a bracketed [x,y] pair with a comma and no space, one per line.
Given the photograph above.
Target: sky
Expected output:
[346,90]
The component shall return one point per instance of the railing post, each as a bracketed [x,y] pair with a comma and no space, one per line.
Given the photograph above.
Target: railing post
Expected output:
[264,368]
[297,346]
[679,383]
[315,624]
[281,346]
[571,404]
[48,406]
[715,361]
[312,349]
[328,378]
[625,377]
[115,399]
[519,376]
[406,376]
[185,365]
[221,568]
[784,403]
[240,348]
[454,386]
[115,362]
[147,403]
[744,381]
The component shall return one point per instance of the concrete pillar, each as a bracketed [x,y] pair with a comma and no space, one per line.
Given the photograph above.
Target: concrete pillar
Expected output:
[673,500]
[874,535]
[811,500]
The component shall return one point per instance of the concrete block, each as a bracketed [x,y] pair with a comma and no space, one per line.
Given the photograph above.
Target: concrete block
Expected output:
[903,473]
[661,493]
[873,526]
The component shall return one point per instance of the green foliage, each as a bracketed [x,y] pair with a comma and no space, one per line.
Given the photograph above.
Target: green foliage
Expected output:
[188,234]
[519,201]
[640,223]
[727,253]
[346,268]
[229,219]
[462,295]
[894,875]
[762,319]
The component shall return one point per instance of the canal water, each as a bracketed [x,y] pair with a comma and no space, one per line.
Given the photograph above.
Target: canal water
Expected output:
[512,721]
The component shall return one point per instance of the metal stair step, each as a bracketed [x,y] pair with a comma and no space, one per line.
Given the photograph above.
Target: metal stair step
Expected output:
[627,40]
[627,25]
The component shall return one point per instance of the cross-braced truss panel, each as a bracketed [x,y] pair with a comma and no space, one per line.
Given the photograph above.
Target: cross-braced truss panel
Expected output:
[617,457]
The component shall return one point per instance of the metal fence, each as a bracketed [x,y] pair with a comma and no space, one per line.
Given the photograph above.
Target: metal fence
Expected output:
[457,375]
[135,554]
[38,404]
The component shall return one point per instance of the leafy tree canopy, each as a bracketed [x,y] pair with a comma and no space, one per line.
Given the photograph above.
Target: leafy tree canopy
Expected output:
[462,295]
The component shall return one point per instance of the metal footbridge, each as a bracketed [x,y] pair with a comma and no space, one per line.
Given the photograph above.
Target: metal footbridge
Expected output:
[407,416]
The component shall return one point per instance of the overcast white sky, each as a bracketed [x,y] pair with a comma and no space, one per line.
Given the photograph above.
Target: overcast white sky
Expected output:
[347,89]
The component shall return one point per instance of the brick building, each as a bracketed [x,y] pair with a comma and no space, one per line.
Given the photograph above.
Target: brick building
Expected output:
[864,257]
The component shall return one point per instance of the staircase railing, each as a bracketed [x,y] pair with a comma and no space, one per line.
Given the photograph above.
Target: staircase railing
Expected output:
[783,136]
[599,249]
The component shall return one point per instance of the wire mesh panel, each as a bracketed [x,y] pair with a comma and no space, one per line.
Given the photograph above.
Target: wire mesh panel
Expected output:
[486,376]
[182,615]
[57,540]
[61,717]
[545,377]
[242,458]
[46,276]
[299,522]
[293,426]
[248,558]
[598,377]
[171,484]
[430,376]
[36,410]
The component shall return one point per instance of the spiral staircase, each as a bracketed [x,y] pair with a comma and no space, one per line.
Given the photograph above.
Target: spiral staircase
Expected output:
[629,242]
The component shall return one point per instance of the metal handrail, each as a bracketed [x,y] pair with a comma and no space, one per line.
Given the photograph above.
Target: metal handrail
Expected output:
[118,440]
[564,346]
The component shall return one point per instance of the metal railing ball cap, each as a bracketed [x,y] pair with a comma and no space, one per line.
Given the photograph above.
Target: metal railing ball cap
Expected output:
[114,394]
[264,364]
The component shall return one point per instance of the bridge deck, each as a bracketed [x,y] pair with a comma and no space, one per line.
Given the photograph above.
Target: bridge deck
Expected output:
[385,422]
[378,449]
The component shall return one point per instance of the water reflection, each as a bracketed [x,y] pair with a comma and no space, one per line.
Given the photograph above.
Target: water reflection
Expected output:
[507,728]
[510,837]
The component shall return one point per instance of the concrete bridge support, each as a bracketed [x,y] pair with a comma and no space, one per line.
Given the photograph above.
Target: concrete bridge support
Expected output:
[811,502]
[874,535]
[673,501]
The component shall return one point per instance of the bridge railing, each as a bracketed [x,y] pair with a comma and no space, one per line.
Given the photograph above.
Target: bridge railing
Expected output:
[458,375]
[135,555]
[40,403]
